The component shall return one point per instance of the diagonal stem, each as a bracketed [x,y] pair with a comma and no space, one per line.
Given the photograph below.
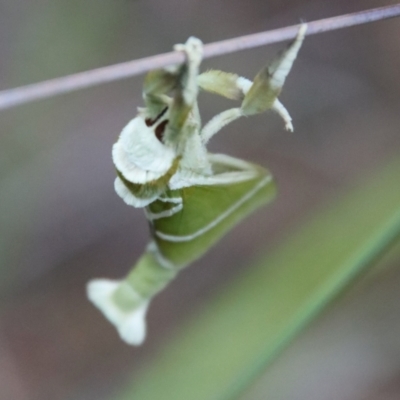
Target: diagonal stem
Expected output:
[25,94]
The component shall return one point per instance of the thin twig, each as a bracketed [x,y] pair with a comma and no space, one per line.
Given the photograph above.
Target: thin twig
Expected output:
[24,94]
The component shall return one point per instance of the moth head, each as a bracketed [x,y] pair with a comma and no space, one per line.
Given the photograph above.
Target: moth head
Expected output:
[140,154]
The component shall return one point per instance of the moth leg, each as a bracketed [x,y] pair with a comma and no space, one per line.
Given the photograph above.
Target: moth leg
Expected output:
[185,97]
[222,83]
[258,96]
[218,122]
[193,49]
[268,83]
[192,150]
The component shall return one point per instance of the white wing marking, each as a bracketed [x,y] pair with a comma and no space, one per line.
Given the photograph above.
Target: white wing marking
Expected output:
[163,214]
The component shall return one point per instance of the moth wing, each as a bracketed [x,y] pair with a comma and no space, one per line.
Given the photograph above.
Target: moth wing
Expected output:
[207,213]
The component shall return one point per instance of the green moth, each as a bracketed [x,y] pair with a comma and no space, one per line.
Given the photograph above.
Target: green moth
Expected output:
[191,198]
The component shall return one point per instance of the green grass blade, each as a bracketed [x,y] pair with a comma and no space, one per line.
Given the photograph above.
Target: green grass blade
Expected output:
[221,351]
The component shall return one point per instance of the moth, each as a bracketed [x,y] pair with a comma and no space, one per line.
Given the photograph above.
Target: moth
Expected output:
[190,197]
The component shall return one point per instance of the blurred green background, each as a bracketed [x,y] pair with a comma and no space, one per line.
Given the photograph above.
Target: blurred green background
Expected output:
[62,224]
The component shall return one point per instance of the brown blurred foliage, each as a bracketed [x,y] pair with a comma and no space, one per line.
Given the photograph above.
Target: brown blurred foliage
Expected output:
[61,223]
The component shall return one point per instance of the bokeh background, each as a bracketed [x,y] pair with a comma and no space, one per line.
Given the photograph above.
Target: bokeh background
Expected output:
[61,222]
